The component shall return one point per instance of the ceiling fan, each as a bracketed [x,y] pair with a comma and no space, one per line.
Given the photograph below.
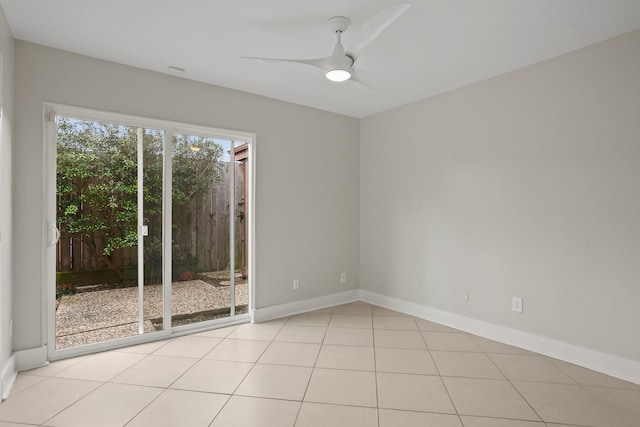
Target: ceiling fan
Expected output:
[340,66]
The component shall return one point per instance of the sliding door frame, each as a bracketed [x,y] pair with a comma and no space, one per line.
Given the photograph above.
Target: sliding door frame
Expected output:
[49,112]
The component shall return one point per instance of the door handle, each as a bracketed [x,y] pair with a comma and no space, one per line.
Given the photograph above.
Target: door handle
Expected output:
[52,229]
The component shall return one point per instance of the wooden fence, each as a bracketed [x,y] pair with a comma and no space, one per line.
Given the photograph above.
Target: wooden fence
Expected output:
[200,234]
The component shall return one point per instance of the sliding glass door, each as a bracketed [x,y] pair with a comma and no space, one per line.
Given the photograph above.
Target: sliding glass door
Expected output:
[148,228]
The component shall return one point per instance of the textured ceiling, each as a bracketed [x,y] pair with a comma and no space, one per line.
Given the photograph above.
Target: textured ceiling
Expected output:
[437,46]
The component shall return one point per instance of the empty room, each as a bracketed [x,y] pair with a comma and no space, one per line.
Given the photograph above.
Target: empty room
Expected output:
[363,213]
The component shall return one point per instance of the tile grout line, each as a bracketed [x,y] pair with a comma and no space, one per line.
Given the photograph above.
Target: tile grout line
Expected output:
[76,401]
[439,373]
[375,367]
[104,382]
[249,371]
[575,384]
[513,386]
[256,362]
[203,358]
[313,368]
[168,387]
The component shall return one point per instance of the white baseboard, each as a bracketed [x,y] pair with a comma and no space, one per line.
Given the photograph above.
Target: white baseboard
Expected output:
[289,309]
[31,358]
[609,364]
[8,376]
[625,369]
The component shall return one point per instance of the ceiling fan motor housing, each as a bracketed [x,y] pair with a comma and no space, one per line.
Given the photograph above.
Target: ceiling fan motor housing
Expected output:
[339,23]
[341,62]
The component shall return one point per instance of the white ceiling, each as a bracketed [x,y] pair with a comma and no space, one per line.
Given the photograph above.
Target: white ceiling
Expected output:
[437,46]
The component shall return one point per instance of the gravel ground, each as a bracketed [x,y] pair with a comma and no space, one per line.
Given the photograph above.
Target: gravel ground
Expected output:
[99,316]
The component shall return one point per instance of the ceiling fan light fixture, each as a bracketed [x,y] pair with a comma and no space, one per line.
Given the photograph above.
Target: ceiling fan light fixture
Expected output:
[338,75]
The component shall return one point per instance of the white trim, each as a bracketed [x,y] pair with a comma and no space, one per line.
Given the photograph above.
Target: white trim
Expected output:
[148,122]
[31,358]
[289,309]
[609,364]
[176,331]
[223,322]
[249,209]
[8,376]
[232,228]
[140,223]
[167,221]
[48,302]
[97,347]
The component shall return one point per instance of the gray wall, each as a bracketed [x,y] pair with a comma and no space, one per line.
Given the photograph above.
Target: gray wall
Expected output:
[307,172]
[6,189]
[525,185]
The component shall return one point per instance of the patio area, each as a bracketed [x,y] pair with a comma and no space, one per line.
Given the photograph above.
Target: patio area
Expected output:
[97,316]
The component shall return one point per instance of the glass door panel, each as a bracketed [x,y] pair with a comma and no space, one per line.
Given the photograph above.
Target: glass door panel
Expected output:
[108,184]
[151,220]
[202,205]
[241,228]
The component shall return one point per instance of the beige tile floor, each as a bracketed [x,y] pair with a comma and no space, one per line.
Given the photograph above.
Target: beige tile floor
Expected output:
[353,365]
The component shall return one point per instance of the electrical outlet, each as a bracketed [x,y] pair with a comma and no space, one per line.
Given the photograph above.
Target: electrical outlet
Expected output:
[343,277]
[516,304]
[296,284]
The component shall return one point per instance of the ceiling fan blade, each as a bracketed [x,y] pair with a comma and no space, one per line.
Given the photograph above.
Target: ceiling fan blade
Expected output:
[371,29]
[317,62]
[362,78]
